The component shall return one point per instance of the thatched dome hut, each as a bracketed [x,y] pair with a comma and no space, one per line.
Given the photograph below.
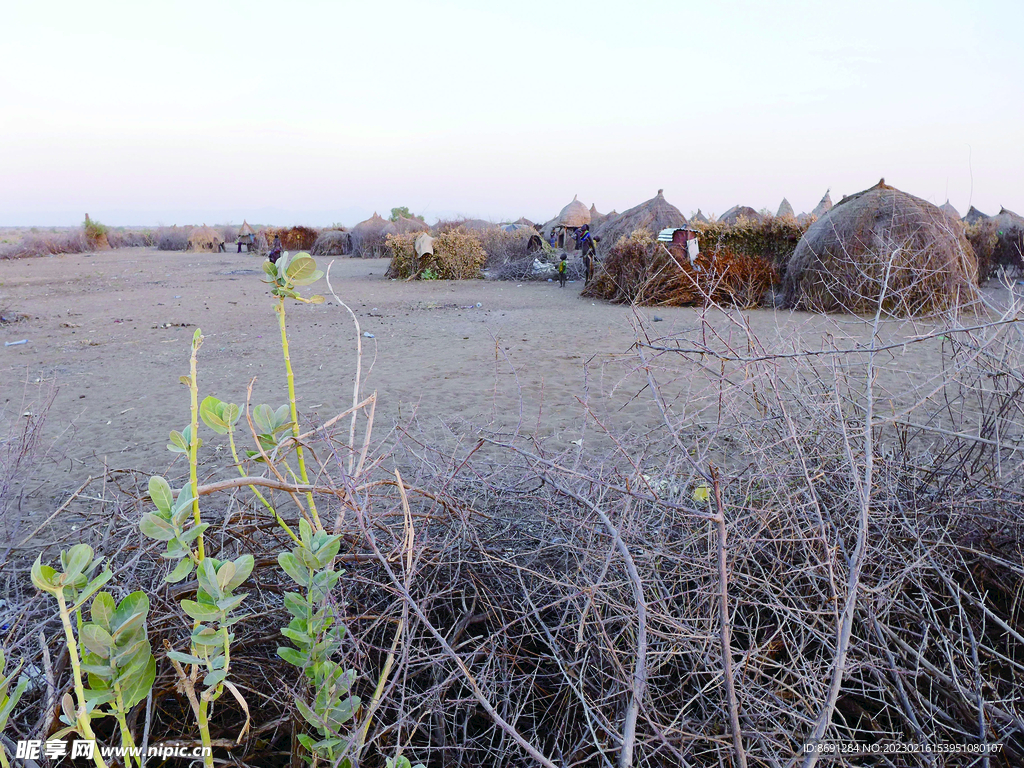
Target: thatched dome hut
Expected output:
[332,242]
[575,214]
[785,210]
[737,212]
[881,244]
[824,206]
[368,237]
[246,233]
[699,218]
[406,225]
[999,242]
[205,239]
[950,211]
[478,225]
[652,215]
[974,216]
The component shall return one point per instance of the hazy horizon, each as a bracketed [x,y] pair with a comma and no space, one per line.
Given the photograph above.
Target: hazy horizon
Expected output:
[319,112]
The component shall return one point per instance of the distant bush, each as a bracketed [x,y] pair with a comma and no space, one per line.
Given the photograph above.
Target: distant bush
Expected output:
[131,238]
[503,247]
[72,241]
[172,239]
[773,240]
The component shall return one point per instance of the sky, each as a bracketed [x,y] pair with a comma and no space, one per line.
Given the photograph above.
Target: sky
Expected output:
[311,112]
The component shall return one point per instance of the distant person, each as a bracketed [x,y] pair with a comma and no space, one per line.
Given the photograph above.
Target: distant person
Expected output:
[275,250]
[589,249]
[553,240]
[563,270]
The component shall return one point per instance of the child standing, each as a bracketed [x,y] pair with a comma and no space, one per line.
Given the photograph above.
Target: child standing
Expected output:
[562,272]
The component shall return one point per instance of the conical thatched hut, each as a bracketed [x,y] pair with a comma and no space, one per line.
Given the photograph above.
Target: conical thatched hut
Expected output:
[205,239]
[950,211]
[737,212]
[824,206]
[596,218]
[368,237]
[881,244]
[785,210]
[699,218]
[333,242]
[653,215]
[999,242]
[526,221]
[575,214]
[974,216]
[406,225]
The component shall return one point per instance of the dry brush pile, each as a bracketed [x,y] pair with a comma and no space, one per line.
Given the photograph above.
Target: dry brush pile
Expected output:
[457,255]
[639,269]
[808,550]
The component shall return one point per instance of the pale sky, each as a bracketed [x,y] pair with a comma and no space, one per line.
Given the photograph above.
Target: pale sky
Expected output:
[316,112]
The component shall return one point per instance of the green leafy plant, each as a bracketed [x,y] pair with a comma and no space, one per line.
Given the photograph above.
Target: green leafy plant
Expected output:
[317,635]
[118,658]
[285,276]
[400,762]
[72,586]
[9,699]
[429,274]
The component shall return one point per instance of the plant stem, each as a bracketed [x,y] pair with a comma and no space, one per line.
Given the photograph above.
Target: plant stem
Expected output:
[204,732]
[126,734]
[295,415]
[82,720]
[193,447]
[254,489]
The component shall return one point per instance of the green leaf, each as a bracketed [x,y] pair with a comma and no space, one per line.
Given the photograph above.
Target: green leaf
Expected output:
[230,413]
[290,565]
[209,638]
[301,268]
[197,339]
[209,412]
[243,567]
[263,416]
[184,658]
[131,612]
[282,417]
[186,380]
[309,715]
[295,604]
[103,607]
[76,560]
[181,571]
[97,640]
[215,678]
[141,683]
[299,638]
[329,551]
[317,299]
[178,443]
[193,533]
[155,527]
[270,268]
[160,491]
[312,278]
[208,579]
[201,611]
[292,656]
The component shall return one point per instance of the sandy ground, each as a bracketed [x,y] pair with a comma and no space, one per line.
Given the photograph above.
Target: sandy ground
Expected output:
[456,356]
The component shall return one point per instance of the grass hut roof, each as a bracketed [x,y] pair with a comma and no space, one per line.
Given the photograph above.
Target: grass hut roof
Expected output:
[204,238]
[738,212]
[881,244]
[699,218]
[246,230]
[950,211]
[974,216]
[406,225]
[368,236]
[478,225]
[653,215]
[526,221]
[575,214]
[785,210]
[823,206]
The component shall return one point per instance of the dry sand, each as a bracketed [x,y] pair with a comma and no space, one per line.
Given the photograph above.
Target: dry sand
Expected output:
[525,359]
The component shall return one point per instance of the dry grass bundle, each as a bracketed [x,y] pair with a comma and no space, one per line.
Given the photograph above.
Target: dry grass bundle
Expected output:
[651,216]
[641,270]
[882,249]
[95,235]
[369,238]
[332,242]
[293,238]
[131,238]
[34,244]
[998,241]
[205,239]
[458,255]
